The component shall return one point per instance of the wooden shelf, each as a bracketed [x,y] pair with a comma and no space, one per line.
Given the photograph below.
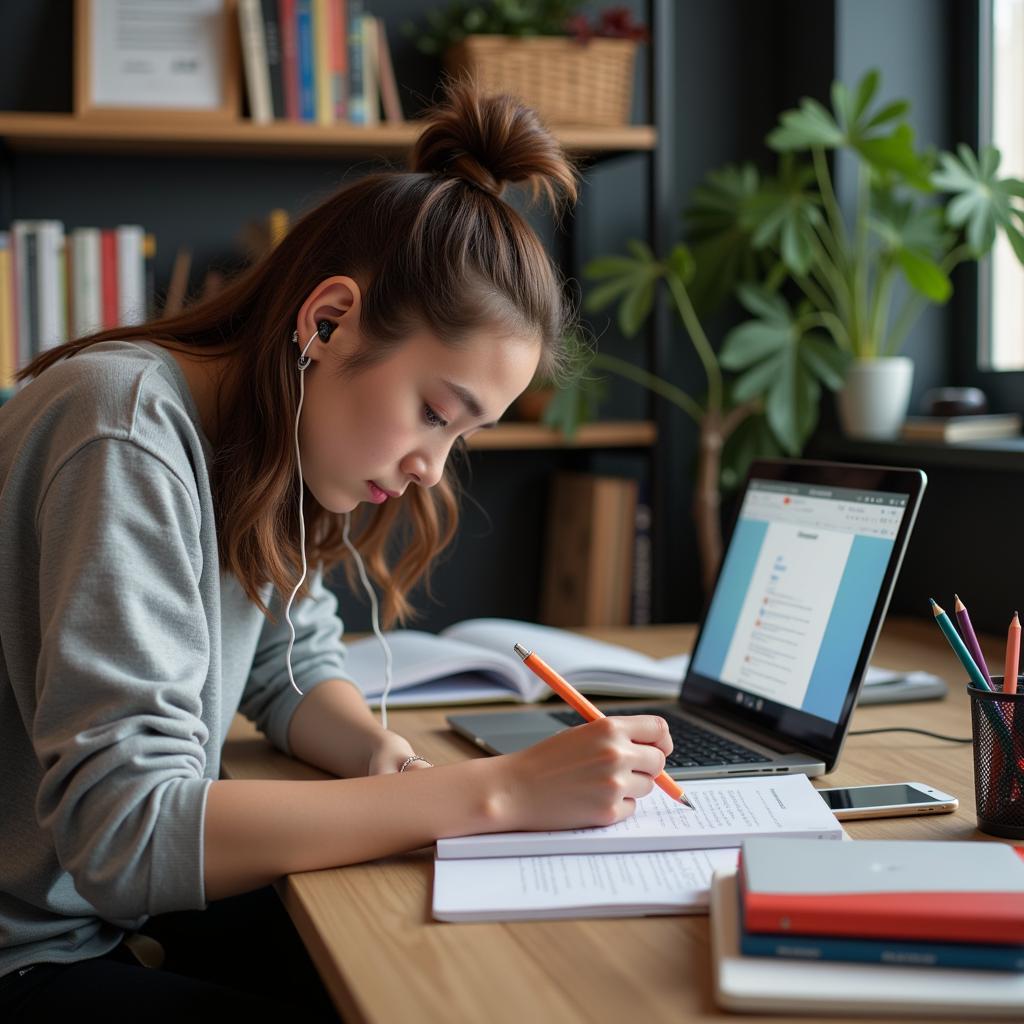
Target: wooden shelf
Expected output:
[182,135]
[611,434]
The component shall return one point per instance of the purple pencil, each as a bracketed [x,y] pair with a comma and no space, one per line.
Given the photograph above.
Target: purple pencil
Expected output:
[970,639]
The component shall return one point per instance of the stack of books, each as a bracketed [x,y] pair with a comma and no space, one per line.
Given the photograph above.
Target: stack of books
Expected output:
[876,927]
[917,904]
[320,61]
[873,928]
[56,285]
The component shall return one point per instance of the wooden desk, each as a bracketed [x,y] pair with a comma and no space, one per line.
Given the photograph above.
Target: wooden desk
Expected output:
[369,930]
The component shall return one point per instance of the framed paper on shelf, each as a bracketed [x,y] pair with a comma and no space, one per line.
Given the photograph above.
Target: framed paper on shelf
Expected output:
[166,57]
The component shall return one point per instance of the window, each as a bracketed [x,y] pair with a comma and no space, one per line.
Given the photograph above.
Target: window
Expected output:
[1001,291]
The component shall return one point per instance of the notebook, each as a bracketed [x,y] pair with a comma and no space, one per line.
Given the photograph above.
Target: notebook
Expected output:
[725,813]
[770,985]
[783,647]
[577,885]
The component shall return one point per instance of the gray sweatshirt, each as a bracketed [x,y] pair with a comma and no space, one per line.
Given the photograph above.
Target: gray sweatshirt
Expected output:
[124,653]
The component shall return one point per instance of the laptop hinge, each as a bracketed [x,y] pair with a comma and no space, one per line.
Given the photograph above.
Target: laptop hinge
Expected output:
[750,732]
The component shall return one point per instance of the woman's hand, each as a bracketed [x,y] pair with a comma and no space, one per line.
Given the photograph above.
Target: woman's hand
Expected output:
[585,776]
[388,752]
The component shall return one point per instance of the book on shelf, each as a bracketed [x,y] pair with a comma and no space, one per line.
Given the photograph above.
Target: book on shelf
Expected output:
[577,885]
[58,285]
[885,889]
[588,566]
[8,335]
[319,61]
[978,427]
[473,662]
[725,813]
[255,60]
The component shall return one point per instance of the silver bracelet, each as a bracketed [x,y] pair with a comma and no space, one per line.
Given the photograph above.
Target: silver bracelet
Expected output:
[409,760]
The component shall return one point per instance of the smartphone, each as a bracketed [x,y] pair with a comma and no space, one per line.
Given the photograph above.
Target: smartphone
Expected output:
[888,801]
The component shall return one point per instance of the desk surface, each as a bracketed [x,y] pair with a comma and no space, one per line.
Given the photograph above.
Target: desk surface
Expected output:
[368,927]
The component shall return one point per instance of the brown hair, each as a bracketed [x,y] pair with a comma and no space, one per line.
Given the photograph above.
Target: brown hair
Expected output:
[435,247]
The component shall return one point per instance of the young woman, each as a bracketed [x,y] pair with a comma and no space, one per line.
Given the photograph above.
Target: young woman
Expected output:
[162,490]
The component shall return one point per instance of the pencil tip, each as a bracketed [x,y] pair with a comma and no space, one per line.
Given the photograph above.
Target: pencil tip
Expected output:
[684,799]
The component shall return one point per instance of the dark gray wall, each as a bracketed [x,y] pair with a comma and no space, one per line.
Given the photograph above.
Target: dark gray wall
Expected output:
[735,65]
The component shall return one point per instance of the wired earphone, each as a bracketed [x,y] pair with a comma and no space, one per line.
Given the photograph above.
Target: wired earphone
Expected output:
[324,329]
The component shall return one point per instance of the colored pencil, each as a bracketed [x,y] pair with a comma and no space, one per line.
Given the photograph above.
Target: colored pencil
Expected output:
[971,639]
[585,709]
[959,648]
[1012,655]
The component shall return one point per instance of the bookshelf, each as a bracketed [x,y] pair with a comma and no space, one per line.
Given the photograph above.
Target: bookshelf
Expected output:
[180,136]
[606,434]
[87,169]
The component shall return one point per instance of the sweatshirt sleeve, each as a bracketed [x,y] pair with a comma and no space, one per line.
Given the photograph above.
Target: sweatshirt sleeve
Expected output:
[318,655]
[124,654]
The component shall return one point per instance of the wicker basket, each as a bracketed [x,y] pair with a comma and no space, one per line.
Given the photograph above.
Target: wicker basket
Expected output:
[566,82]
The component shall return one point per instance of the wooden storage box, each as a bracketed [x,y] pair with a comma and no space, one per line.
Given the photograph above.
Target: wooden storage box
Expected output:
[565,81]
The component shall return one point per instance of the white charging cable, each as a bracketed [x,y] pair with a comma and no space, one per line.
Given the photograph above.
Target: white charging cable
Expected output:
[374,616]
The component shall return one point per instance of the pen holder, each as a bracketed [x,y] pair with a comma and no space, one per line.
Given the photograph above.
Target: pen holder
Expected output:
[997,725]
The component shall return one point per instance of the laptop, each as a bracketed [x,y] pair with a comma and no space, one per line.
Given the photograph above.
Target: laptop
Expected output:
[787,634]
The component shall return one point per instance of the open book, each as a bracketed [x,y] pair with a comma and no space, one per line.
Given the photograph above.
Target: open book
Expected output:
[473,662]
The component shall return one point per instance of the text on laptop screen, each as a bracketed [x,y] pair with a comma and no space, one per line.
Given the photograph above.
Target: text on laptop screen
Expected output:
[796,592]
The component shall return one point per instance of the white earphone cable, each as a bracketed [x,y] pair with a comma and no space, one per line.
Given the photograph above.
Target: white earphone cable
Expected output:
[374,614]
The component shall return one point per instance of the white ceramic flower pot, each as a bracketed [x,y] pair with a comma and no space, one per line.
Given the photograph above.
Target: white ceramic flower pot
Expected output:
[873,403]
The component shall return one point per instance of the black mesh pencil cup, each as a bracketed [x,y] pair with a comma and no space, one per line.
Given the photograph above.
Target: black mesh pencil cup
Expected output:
[997,724]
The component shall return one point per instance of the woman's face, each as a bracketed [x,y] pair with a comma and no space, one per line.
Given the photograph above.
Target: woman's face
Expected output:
[366,437]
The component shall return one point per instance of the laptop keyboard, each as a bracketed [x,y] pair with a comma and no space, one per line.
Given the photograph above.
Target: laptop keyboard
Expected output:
[692,746]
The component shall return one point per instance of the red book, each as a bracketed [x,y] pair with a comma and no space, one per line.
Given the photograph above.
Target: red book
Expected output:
[338,15]
[108,277]
[288,24]
[884,889]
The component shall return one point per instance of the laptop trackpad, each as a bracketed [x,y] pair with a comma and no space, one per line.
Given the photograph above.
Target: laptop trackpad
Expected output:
[506,733]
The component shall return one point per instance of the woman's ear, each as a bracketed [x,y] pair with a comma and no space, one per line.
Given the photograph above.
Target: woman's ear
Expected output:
[331,310]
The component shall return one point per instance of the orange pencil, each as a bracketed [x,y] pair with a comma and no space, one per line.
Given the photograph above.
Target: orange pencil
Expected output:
[1012,656]
[585,709]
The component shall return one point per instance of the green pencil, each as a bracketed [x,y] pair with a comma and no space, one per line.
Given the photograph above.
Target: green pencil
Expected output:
[959,647]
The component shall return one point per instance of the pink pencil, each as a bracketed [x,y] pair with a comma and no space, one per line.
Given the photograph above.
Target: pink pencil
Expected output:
[1012,656]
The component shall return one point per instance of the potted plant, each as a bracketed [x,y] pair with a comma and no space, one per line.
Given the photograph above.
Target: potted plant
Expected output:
[915,217]
[752,235]
[569,69]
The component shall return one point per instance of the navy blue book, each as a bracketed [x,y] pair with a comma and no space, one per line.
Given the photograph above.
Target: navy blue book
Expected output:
[973,956]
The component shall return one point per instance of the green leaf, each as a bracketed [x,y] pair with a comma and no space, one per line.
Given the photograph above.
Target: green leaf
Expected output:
[810,125]
[682,264]
[924,275]
[827,362]
[635,307]
[889,112]
[752,439]
[792,403]
[981,203]
[757,380]
[769,306]
[641,250]
[866,90]
[609,266]
[607,293]
[751,342]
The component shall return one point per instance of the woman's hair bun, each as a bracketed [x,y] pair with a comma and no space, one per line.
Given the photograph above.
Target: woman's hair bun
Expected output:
[491,141]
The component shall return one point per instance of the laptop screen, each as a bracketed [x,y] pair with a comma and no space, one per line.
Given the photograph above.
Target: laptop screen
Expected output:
[797,600]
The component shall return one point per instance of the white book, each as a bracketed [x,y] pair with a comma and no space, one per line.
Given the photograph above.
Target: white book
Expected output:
[726,811]
[254,58]
[473,661]
[86,290]
[131,274]
[577,885]
[51,327]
